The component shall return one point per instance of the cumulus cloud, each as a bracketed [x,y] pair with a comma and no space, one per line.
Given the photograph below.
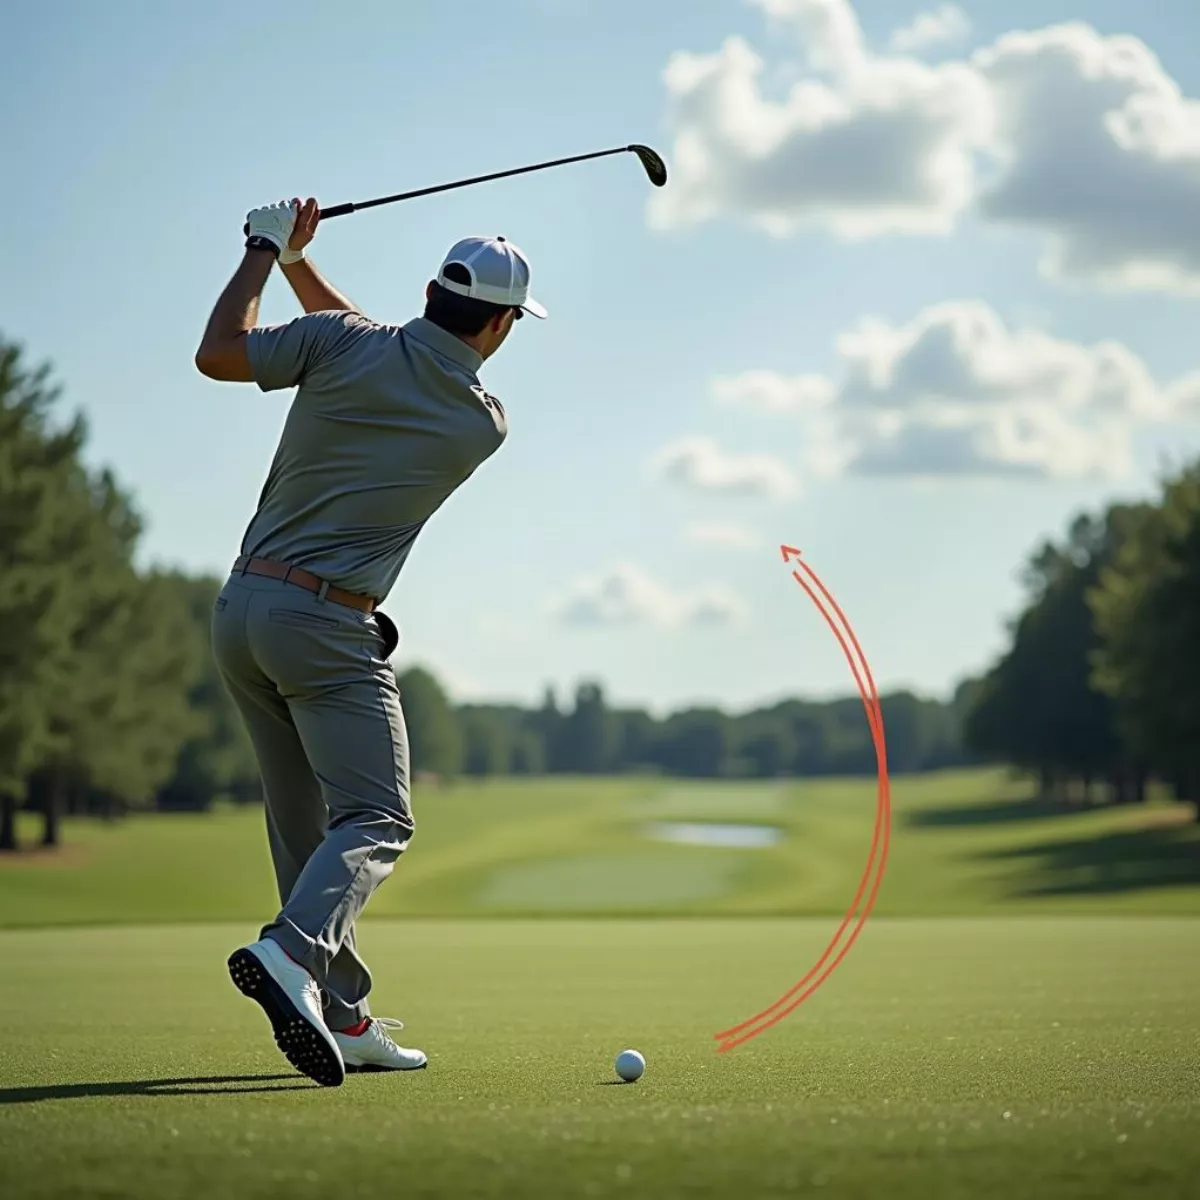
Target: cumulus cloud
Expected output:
[1114,179]
[829,31]
[885,146]
[946,24]
[1013,443]
[864,144]
[701,465]
[958,392]
[626,595]
[962,354]
[1183,398]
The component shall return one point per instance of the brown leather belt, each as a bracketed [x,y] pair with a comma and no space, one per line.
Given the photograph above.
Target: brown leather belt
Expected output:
[304,579]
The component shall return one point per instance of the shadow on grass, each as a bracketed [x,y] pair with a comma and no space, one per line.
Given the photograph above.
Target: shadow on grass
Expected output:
[204,1085]
[997,812]
[1123,861]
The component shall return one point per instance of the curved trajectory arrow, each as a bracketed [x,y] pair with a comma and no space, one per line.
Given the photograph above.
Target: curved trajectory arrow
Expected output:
[872,875]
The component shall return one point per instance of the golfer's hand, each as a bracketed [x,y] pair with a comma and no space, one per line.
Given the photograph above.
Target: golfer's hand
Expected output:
[308,216]
[274,222]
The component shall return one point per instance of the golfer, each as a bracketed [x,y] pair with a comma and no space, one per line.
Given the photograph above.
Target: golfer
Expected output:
[387,421]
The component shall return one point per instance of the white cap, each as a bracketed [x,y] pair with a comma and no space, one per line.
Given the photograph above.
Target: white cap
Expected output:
[499,273]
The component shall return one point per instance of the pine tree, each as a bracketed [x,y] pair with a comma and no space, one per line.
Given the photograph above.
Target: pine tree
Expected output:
[40,481]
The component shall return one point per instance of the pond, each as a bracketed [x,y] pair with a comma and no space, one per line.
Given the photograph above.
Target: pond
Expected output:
[737,837]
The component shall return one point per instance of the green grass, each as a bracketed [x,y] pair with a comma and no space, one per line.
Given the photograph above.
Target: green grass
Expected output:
[963,843]
[1019,1019]
[1049,1057]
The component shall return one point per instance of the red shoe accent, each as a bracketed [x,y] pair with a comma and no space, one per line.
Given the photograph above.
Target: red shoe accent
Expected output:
[357,1030]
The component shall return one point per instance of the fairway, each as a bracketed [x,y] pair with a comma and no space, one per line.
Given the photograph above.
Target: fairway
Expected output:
[1018,1019]
[982,1058]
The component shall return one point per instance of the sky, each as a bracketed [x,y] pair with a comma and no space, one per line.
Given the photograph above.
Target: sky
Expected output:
[924,284]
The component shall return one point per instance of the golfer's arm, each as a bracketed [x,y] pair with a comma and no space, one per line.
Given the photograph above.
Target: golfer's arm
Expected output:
[313,290]
[222,354]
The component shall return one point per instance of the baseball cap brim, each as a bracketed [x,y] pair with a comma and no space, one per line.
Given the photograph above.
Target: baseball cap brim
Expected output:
[534,309]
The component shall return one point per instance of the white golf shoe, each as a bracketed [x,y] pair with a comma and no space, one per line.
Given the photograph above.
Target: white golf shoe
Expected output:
[291,999]
[373,1050]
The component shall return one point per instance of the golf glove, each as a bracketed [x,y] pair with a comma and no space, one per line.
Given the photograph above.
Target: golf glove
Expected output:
[275,222]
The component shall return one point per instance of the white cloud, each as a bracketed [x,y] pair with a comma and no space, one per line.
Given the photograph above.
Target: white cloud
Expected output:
[700,464]
[1183,398]
[958,392]
[626,595]
[963,354]
[884,148]
[829,31]
[1083,139]
[726,534]
[1015,443]
[1113,179]
[946,24]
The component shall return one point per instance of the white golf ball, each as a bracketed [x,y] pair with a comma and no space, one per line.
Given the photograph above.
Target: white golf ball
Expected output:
[630,1065]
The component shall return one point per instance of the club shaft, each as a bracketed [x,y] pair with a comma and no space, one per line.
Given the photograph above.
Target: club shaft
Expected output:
[340,210]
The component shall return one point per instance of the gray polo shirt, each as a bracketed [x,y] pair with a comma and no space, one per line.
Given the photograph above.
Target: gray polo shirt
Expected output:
[387,422]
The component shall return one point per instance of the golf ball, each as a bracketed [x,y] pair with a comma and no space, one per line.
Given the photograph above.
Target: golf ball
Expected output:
[630,1065]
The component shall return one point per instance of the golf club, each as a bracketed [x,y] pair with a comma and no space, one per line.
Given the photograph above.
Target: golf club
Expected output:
[656,171]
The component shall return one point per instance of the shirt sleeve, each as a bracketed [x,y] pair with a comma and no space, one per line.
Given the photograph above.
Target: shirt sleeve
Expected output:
[281,356]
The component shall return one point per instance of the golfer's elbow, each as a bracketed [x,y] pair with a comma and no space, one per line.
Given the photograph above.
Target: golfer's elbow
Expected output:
[224,363]
[207,363]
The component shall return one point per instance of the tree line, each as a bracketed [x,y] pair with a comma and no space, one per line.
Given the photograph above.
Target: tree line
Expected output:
[110,699]
[588,737]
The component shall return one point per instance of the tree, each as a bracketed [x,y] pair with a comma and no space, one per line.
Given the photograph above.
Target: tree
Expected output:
[528,756]
[1147,610]
[217,760]
[435,737]
[766,745]
[40,482]
[696,743]
[634,735]
[140,666]
[487,742]
[117,725]
[95,660]
[547,723]
[1038,708]
[587,735]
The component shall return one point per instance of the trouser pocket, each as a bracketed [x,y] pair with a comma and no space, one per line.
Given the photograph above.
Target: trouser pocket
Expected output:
[391,635]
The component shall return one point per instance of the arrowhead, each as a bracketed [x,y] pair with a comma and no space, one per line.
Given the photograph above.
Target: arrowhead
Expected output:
[789,552]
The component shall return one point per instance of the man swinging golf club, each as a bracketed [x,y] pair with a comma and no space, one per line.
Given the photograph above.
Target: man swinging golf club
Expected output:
[386,423]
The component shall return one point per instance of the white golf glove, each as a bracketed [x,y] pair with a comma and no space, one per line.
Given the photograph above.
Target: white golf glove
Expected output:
[275,222]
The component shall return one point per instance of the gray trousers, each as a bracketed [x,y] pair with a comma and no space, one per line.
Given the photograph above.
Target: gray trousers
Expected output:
[320,703]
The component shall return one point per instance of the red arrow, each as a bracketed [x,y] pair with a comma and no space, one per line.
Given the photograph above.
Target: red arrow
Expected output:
[790,1000]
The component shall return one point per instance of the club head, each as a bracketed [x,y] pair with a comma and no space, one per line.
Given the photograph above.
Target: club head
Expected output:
[656,169]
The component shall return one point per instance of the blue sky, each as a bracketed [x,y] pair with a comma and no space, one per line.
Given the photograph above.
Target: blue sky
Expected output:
[143,133]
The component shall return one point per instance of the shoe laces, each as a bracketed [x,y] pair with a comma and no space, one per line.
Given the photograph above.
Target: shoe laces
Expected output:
[379,1024]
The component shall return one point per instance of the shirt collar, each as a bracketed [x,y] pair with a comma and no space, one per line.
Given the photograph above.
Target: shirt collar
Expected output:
[435,337]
